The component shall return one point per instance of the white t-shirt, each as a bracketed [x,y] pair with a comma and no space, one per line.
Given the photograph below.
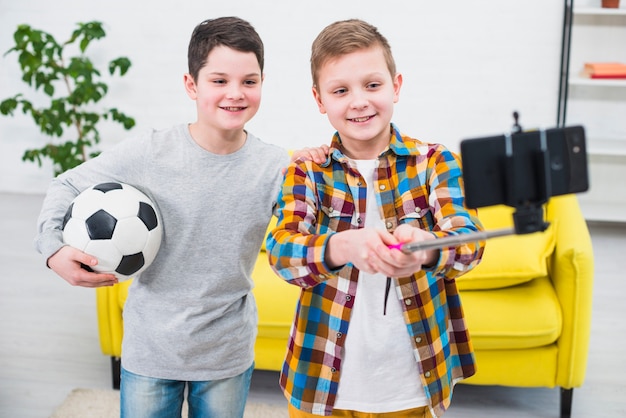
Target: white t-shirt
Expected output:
[379,367]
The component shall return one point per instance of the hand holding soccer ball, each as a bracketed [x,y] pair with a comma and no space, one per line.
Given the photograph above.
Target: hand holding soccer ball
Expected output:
[117,224]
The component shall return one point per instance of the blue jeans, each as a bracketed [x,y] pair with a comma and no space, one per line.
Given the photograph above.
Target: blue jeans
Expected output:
[147,397]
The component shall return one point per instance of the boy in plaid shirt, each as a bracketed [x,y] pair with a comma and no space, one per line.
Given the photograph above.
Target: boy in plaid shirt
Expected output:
[376,331]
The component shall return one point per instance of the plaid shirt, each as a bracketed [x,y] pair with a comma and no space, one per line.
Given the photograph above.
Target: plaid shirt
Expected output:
[416,183]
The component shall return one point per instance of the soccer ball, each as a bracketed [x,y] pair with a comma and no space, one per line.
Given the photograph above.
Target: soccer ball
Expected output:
[117,224]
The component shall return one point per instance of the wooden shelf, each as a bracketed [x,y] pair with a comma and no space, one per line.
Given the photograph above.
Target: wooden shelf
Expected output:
[597,82]
[601,211]
[595,11]
[607,147]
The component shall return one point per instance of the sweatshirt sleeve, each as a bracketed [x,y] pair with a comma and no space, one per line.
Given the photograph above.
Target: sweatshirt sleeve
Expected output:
[122,163]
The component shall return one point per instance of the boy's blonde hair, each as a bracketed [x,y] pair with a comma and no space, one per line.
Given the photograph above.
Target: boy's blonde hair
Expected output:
[344,37]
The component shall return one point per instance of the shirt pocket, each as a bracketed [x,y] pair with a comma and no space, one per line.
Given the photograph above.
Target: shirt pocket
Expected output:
[336,211]
[415,211]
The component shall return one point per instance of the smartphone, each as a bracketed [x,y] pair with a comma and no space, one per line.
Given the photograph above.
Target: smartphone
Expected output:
[524,168]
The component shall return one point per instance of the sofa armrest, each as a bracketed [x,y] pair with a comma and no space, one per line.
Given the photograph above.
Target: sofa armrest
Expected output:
[572,271]
[109,305]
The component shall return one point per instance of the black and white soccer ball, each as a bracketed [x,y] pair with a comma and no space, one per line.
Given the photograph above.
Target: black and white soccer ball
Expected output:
[117,224]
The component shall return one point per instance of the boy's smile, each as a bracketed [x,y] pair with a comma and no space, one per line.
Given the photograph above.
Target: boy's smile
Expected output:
[365,119]
[357,92]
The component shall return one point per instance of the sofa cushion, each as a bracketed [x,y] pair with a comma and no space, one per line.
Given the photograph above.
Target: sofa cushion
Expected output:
[508,260]
[517,317]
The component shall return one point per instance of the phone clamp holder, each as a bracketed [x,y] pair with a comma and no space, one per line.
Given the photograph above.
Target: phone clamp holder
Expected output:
[528,216]
[529,213]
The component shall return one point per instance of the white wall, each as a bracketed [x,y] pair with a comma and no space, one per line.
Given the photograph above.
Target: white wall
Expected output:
[467,65]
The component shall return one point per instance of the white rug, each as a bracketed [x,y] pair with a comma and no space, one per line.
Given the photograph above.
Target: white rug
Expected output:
[102,403]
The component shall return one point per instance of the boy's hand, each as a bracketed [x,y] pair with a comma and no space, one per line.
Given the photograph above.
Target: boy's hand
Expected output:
[417,259]
[67,263]
[318,154]
[359,247]
[368,249]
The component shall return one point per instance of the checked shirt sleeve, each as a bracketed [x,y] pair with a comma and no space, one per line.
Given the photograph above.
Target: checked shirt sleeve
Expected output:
[446,200]
[295,248]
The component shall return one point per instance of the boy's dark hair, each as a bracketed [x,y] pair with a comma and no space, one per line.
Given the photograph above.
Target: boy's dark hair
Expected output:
[344,37]
[232,32]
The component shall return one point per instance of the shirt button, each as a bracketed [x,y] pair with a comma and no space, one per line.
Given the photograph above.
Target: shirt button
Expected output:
[359,184]
[348,297]
[389,225]
[339,335]
[382,187]
[332,369]
[358,220]
[407,302]
[418,209]
[418,339]
[427,374]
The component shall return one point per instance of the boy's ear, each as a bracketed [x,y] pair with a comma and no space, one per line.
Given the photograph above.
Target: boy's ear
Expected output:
[190,86]
[397,83]
[318,99]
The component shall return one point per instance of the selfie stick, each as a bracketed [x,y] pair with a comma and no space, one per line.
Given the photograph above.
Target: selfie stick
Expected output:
[453,240]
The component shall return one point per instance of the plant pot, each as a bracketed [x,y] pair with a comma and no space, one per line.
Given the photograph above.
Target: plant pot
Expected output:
[610,4]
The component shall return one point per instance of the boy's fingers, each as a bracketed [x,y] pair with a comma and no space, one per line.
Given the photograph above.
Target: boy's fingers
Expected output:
[322,152]
[87,259]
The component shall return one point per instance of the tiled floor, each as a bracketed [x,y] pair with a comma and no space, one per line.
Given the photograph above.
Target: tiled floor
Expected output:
[49,342]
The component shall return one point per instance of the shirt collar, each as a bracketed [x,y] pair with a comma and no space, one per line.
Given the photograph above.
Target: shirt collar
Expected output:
[396,145]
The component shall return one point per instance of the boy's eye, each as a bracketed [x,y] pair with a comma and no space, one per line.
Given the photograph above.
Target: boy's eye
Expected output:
[373,85]
[339,91]
[219,81]
[250,82]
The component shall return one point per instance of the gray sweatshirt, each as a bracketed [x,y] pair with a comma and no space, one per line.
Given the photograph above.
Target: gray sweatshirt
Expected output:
[191,314]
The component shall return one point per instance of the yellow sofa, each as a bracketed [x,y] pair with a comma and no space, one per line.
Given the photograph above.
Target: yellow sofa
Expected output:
[528,305]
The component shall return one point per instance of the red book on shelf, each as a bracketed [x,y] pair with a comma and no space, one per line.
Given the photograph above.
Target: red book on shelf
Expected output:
[605,70]
[608,76]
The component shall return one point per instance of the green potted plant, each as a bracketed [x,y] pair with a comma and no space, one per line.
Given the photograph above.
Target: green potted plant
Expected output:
[46,67]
